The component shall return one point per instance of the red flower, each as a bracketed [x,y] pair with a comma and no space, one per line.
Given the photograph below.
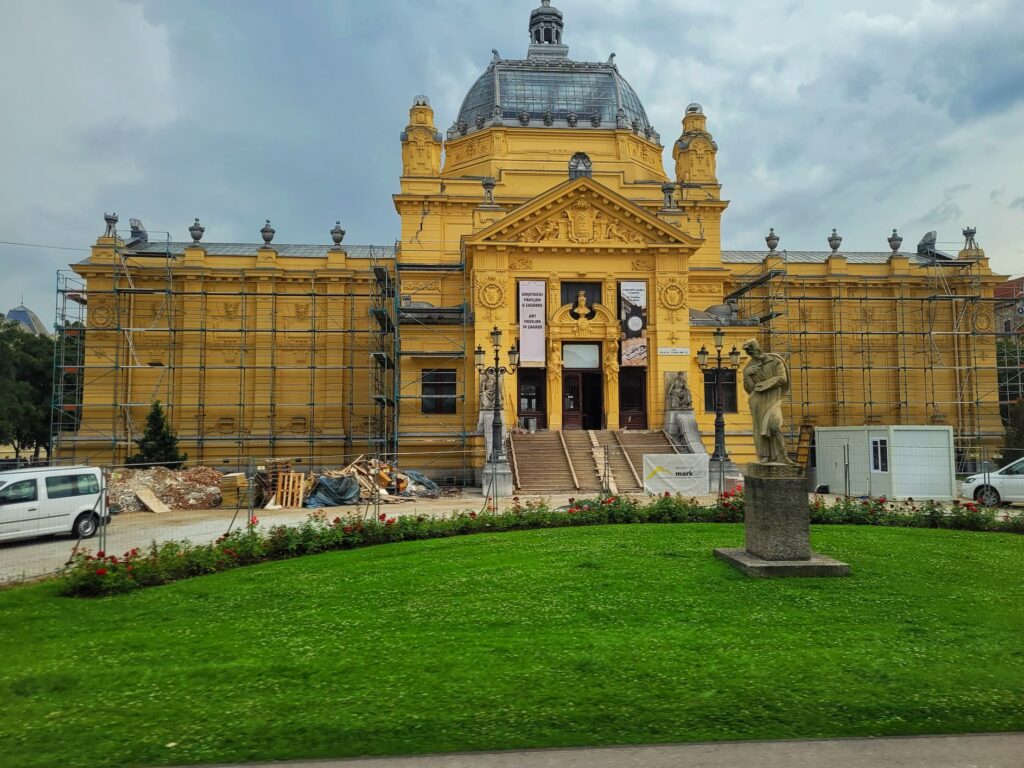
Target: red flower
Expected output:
[101,571]
[573,510]
[113,559]
[382,517]
[472,515]
[572,501]
[337,520]
[668,494]
[390,521]
[254,520]
[347,529]
[130,567]
[101,553]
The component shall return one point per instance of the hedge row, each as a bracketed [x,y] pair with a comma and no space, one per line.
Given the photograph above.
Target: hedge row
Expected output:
[103,574]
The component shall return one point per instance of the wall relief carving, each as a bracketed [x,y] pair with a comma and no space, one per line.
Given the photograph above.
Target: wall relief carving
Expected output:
[521,265]
[490,292]
[581,223]
[671,293]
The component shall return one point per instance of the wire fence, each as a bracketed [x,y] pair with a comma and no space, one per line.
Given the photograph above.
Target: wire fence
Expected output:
[875,469]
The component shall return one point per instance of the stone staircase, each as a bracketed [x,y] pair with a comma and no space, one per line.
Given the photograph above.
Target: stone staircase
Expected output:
[540,464]
[581,454]
[636,443]
[573,461]
[623,477]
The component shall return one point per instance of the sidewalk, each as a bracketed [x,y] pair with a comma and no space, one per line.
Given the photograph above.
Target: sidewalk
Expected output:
[1003,750]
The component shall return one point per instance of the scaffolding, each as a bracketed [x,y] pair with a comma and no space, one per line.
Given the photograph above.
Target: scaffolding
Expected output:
[874,349]
[433,338]
[248,362]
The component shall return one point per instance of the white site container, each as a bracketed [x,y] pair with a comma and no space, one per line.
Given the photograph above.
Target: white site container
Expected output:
[895,461]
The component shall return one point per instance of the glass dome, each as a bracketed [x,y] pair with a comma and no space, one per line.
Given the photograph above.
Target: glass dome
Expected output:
[543,93]
[549,89]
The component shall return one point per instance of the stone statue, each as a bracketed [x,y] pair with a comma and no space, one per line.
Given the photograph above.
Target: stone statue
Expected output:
[766,382]
[487,390]
[678,397]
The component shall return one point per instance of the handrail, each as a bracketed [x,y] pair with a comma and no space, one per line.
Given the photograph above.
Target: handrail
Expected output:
[671,441]
[515,462]
[568,458]
[629,461]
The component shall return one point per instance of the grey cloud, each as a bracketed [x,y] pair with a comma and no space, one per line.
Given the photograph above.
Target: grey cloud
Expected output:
[1018,204]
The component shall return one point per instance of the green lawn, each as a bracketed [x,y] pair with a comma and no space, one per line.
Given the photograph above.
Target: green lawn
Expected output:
[602,635]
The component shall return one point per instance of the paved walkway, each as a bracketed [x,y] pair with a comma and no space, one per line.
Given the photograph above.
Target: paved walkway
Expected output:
[1004,750]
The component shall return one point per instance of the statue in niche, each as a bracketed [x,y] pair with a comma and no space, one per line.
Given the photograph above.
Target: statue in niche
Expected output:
[678,396]
[581,307]
[766,382]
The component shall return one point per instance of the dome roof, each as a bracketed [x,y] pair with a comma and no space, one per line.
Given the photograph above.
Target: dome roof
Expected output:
[549,89]
[27,319]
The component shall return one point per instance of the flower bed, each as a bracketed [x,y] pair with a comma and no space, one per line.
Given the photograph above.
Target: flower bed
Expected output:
[102,574]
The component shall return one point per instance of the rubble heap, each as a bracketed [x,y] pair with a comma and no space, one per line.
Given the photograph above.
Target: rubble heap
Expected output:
[196,488]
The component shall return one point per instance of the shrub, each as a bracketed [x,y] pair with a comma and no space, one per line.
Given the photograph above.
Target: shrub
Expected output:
[102,574]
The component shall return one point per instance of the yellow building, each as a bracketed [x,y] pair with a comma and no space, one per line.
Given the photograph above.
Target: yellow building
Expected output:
[545,212]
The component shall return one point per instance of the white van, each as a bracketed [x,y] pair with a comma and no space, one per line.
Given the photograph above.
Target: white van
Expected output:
[52,500]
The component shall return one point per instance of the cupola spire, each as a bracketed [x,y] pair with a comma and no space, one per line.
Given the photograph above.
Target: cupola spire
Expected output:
[546,28]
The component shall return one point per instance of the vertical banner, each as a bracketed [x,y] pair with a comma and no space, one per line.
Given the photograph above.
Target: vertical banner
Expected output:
[633,316]
[531,323]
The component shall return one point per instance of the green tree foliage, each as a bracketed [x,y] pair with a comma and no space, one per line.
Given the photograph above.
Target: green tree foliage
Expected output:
[1013,447]
[158,446]
[26,389]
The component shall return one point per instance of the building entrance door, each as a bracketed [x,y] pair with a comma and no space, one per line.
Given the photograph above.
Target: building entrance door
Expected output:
[582,400]
[632,398]
[533,397]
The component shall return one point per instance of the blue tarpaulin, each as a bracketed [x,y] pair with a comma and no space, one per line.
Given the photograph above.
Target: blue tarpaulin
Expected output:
[333,492]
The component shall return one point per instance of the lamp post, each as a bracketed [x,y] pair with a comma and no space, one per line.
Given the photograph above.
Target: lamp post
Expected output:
[720,455]
[497,449]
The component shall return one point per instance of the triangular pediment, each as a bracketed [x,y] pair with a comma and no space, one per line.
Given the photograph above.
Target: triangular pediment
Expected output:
[582,212]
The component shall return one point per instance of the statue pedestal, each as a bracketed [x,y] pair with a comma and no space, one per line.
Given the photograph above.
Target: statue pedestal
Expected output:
[496,480]
[777,527]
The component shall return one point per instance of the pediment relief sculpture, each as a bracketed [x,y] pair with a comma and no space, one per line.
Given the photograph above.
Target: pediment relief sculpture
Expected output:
[582,223]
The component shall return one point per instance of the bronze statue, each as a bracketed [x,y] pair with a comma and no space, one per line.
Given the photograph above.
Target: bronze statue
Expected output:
[678,397]
[766,381]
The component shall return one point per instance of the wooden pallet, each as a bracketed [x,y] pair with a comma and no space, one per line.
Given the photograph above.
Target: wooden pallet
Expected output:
[291,489]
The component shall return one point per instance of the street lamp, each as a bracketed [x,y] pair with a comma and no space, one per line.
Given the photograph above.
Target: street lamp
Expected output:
[720,454]
[497,449]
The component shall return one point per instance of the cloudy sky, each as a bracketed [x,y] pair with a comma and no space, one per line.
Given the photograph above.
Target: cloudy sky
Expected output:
[861,115]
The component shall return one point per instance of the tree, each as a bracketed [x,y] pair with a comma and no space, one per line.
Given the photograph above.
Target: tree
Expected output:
[26,389]
[1013,446]
[158,446]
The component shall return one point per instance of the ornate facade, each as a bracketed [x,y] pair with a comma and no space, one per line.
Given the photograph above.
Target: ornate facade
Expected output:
[544,211]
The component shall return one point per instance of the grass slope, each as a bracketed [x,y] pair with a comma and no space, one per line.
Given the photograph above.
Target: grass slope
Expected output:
[619,634]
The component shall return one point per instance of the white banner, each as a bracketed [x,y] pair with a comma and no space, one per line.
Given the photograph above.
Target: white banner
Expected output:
[685,473]
[531,323]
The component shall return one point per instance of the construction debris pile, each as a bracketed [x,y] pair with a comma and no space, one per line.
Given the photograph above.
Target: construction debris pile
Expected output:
[196,488]
[275,486]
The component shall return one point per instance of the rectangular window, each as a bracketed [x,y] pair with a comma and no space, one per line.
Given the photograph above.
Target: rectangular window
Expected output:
[19,492]
[879,455]
[586,356]
[66,486]
[439,391]
[728,390]
[571,293]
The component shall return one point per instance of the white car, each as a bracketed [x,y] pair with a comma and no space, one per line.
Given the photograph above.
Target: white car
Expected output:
[52,500]
[1000,487]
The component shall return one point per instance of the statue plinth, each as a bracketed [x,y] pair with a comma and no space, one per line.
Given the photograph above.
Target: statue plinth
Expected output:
[777,526]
